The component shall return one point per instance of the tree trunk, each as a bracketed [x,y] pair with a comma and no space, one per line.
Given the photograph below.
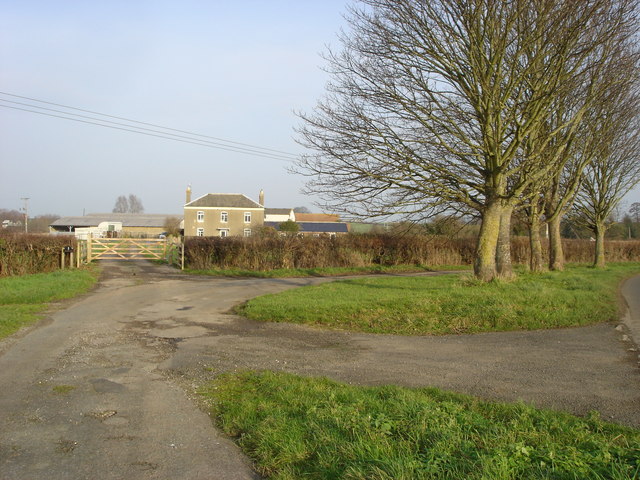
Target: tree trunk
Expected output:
[556,254]
[599,260]
[484,266]
[535,244]
[504,268]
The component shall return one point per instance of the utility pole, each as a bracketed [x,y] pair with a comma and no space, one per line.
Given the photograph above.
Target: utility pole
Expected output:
[25,209]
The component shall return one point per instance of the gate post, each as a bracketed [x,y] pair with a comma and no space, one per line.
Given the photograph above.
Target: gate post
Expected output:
[89,237]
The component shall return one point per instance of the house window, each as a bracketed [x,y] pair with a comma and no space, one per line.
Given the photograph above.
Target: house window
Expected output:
[224,217]
[247,232]
[247,217]
[200,216]
[200,232]
[224,232]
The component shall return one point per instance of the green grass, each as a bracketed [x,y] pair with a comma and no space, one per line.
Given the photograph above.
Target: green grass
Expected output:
[323,272]
[295,427]
[23,298]
[451,303]
[63,389]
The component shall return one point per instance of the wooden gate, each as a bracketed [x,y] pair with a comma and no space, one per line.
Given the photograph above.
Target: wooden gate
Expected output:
[126,248]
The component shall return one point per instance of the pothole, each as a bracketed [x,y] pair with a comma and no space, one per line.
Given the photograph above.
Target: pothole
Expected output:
[180,332]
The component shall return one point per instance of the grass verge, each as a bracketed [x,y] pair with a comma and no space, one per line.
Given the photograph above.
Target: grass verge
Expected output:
[323,272]
[295,427]
[22,298]
[450,303]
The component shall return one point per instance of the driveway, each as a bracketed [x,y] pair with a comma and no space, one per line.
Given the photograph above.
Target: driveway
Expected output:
[103,387]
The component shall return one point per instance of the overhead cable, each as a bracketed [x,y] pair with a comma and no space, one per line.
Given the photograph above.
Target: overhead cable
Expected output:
[132,126]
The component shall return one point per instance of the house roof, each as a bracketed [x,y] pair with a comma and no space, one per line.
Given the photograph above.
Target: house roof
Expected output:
[224,200]
[127,219]
[277,211]
[316,227]
[317,217]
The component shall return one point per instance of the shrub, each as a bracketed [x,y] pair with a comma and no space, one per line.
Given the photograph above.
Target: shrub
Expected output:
[22,254]
[270,252]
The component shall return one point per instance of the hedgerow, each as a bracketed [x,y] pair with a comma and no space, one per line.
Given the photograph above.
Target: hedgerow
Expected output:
[355,250]
[22,254]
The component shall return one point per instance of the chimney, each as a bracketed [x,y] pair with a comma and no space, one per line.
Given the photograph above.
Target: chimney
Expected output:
[189,193]
[261,198]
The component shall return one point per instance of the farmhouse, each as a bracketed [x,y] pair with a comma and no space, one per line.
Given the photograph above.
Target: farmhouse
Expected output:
[222,215]
[235,214]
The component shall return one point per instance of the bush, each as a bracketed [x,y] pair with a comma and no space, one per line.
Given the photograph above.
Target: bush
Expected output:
[271,252]
[268,252]
[22,254]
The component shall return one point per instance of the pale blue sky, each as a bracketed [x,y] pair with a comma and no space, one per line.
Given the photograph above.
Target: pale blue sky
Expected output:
[234,70]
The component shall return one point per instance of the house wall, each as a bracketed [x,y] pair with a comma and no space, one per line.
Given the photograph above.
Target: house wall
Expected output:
[212,222]
[278,218]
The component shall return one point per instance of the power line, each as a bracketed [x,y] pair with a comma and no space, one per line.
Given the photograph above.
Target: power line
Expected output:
[144,131]
[263,155]
[219,143]
[144,123]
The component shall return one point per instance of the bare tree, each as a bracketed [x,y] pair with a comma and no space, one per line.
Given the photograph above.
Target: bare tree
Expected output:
[431,103]
[40,223]
[132,204]
[634,211]
[135,204]
[172,226]
[615,169]
[122,205]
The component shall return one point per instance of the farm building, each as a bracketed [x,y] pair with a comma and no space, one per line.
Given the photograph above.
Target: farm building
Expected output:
[125,224]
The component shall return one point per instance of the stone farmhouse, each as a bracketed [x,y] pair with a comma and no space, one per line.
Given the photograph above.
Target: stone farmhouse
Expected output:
[234,214]
[222,215]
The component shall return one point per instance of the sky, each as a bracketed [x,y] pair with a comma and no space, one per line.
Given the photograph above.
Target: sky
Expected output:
[236,71]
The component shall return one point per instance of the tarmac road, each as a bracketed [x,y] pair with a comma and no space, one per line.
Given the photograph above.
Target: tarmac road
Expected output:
[103,387]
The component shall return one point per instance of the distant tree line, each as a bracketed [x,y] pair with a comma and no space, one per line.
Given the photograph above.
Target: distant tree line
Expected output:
[37,224]
[131,204]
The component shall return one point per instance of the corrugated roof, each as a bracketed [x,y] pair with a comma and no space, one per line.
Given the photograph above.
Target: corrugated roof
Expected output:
[316,227]
[127,219]
[224,200]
